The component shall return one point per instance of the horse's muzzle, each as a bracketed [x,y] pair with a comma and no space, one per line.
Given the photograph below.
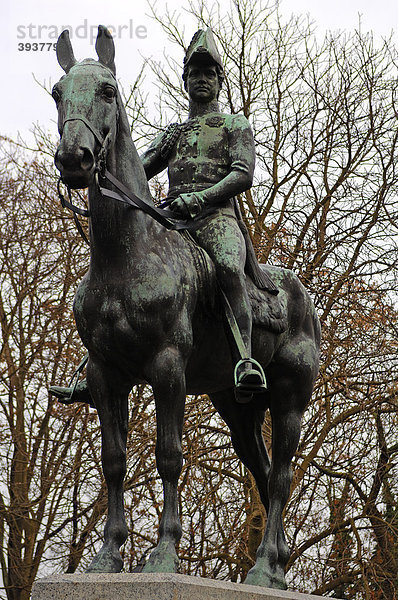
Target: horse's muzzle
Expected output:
[76,166]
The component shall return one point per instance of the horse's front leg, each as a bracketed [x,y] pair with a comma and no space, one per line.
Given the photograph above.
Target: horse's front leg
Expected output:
[112,407]
[168,383]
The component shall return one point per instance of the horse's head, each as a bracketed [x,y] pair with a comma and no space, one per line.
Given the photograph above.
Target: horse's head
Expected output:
[87,102]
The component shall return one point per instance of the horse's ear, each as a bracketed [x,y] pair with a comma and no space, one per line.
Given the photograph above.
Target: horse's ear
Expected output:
[65,54]
[105,48]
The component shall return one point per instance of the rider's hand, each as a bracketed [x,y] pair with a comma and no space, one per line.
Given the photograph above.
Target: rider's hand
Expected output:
[188,205]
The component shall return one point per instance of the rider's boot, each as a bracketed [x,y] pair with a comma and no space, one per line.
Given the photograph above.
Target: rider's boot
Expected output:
[68,395]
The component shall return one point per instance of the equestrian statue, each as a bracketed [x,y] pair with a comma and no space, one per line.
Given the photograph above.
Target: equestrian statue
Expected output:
[175,298]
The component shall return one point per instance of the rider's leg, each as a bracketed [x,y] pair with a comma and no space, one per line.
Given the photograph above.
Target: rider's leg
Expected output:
[222,238]
[234,288]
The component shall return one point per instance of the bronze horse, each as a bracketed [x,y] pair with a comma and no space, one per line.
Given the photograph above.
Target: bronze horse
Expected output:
[141,313]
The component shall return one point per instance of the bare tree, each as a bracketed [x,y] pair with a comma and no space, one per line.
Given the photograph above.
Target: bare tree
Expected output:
[323,204]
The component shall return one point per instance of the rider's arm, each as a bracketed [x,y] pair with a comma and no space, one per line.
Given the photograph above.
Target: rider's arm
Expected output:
[156,157]
[152,159]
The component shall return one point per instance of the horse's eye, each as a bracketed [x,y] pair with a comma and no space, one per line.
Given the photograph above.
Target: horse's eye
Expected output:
[109,92]
[55,94]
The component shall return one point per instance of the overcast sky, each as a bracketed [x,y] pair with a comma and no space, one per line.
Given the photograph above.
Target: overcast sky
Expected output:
[25,22]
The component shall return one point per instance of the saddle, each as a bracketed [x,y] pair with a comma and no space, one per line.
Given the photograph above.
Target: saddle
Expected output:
[268,310]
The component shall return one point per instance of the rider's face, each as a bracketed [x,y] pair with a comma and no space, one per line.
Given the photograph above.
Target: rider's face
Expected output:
[202,83]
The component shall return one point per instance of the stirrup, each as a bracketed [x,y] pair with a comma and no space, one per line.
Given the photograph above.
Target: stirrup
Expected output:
[76,391]
[249,381]
[69,395]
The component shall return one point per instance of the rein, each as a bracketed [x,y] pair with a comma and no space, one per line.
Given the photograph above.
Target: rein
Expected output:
[160,215]
[164,217]
[75,209]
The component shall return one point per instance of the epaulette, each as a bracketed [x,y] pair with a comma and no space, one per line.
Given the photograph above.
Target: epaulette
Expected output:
[169,139]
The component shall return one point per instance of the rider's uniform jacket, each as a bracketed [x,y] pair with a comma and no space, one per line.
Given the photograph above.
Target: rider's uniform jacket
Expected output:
[211,157]
[214,152]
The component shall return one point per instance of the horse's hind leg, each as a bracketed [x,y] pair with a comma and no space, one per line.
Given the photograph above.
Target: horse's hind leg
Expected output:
[112,408]
[288,403]
[245,423]
[168,384]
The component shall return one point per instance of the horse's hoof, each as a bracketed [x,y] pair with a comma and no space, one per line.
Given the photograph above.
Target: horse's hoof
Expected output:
[257,576]
[261,576]
[106,561]
[278,579]
[163,559]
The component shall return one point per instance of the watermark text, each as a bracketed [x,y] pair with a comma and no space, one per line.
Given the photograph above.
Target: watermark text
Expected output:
[38,32]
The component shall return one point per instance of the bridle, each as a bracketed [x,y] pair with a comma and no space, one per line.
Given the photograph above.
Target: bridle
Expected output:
[99,168]
[103,141]
[165,217]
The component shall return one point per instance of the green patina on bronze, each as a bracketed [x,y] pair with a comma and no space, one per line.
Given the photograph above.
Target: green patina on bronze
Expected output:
[148,310]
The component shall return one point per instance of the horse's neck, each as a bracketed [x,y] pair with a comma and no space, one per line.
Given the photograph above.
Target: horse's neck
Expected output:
[116,229]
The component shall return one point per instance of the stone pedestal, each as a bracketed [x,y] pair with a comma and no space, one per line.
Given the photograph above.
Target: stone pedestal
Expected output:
[146,586]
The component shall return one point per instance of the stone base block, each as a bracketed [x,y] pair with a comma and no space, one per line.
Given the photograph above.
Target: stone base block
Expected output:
[147,586]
